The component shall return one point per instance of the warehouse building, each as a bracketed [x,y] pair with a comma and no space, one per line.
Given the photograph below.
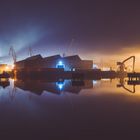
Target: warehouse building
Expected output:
[69,63]
[34,62]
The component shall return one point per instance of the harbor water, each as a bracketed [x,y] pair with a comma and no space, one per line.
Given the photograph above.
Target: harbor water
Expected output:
[69,109]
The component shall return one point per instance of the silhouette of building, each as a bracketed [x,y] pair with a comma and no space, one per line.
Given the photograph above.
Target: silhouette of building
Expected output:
[68,63]
[34,62]
[38,86]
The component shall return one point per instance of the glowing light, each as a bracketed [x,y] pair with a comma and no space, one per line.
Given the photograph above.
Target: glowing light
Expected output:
[60,84]
[95,66]
[105,79]
[7,68]
[13,80]
[106,69]
[73,69]
[60,65]
[94,82]
[13,66]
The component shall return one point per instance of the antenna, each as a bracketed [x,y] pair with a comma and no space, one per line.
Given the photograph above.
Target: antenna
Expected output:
[13,53]
[69,46]
[30,51]
[64,54]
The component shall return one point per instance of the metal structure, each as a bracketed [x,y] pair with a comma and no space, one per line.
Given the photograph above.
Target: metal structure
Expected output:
[64,54]
[122,83]
[13,54]
[69,47]
[30,52]
[122,64]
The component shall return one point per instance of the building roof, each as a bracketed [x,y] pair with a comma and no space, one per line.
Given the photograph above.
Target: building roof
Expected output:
[73,57]
[34,57]
[53,57]
[31,58]
[50,58]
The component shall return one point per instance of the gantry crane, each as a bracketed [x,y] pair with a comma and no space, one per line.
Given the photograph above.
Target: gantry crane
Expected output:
[122,64]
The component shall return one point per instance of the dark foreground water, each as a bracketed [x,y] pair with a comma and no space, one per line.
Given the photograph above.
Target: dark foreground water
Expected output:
[68,109]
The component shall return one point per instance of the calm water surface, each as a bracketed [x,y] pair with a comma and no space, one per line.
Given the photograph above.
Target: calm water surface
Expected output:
[69,109]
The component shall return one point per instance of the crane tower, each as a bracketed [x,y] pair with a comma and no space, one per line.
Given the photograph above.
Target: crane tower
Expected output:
[122,64]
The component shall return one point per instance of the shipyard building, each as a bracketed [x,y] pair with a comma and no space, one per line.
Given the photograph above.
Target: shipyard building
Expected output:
[69,63]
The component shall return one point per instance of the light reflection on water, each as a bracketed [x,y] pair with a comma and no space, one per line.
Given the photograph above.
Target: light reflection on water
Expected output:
[85,107]
[32,95]
[27,89]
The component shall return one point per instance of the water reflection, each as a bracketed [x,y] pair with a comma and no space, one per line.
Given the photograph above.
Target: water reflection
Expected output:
[38,86]
[96,104]
[123,82]
[4,83]
[56,87]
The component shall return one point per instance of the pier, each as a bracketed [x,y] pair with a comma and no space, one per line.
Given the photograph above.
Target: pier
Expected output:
[135,76]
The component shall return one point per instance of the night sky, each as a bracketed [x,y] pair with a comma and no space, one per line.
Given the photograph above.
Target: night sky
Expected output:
[107,27]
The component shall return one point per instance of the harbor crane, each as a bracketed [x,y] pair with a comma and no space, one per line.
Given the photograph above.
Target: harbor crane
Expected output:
[122,64]
[13,54]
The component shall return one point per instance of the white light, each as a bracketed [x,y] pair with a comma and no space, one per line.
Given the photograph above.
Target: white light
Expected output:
[73,69]
[7,68]
[94,82]
[95,66]
[60,63]
[60,85]
[13,66]
[106,69]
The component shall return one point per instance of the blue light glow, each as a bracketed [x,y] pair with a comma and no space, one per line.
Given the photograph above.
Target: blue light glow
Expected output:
[60,64]
[60,85]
